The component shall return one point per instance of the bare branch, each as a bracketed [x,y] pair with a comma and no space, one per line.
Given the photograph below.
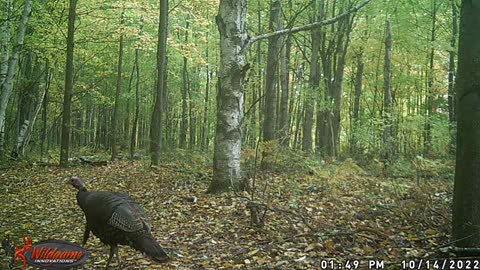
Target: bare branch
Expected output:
[310,26]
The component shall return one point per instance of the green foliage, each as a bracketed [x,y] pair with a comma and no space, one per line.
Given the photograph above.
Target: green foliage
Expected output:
[281,159]
[428,168]
[402,168]
[441,136]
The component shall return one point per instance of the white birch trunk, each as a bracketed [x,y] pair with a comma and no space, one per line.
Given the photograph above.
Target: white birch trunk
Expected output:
[5,39]
[231,22]
[24,138]
[7,86]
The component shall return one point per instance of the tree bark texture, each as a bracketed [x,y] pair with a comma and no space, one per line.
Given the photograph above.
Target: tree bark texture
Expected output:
[205,126]
[314,80]
[156,124]
[356,102]
[7,10]
[431,83]
[43,137]
[271,76]
[6,86]
[231,22]
[343,43]
[466,202]
[387,95]
[133,136]
[118,90]
[67,96]
[185,84]
[283,114]
[451,64]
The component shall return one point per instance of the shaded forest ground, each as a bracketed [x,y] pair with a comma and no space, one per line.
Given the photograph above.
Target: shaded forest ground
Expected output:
[316,211]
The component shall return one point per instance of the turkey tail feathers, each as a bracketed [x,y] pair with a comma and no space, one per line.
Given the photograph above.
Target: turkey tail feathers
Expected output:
[147,244]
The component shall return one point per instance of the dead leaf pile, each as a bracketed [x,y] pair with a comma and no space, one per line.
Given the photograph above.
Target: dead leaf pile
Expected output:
[309,219]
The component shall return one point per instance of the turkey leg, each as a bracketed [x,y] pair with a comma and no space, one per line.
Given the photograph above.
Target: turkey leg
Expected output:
[113,250]
[86,234]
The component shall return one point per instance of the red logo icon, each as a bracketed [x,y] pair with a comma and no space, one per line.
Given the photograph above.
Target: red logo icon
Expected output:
[20,252]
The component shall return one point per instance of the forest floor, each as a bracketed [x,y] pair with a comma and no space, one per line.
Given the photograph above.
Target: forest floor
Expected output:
[335,213]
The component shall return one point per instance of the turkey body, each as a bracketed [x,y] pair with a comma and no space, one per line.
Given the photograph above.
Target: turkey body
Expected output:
[116,219]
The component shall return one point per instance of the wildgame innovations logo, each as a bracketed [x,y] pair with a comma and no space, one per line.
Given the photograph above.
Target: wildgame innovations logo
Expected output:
[47,254]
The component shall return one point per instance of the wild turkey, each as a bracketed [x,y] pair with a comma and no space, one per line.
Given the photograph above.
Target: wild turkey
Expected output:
[117,219]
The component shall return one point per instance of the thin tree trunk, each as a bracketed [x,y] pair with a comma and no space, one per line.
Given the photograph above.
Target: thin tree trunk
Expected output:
[67,96]
[91,123]
[192,120]
[231,22]
[258,85]
[28,133]
[5,39]
[299,117]
[7,84]
[157,115]
[260,76]
[387,97]
[43,137]
[285,81]
[118,90]
[166,111]
[31,113]
[185,83]
[314,81]
[126,118]
[451,70]
[356,102]
[430,90]
[30,71]
[271,74]
[338,85]
[205,128]
[133,137]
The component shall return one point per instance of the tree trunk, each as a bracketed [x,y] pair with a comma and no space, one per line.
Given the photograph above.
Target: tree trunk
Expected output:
[451,73]
[185,84]
[466,202]
[126,118]
[166,111]
[259,79]
[283,126]
[118,90]
[387,97]
[43,139]
[22,144]
[31,112]
[27,92]
[356,102]
[7,84]
[431,83]
[205,129]
[358,86]
[314,81]
[192,121]
[133,137]
[271,73]
[7,10]
[156,125]
[67,96]
[338,84]
[231,22]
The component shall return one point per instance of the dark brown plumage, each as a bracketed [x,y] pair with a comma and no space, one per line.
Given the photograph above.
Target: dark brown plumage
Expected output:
[117,219]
